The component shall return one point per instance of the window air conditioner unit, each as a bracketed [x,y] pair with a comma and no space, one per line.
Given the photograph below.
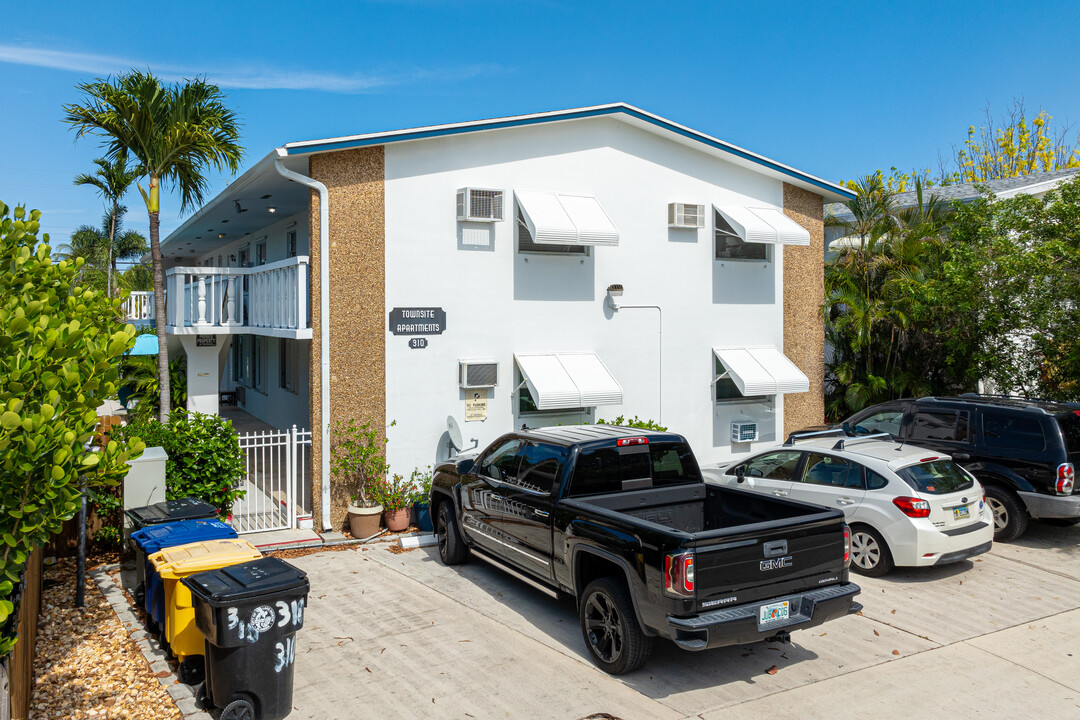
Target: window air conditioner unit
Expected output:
[744,432]
[681,215]
[474,374]
[477,205]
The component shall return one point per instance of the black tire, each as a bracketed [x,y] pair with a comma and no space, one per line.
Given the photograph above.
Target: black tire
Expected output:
[452,548]
[615,641]
[1010,515]
[238,710]
[192,670]
[870,554]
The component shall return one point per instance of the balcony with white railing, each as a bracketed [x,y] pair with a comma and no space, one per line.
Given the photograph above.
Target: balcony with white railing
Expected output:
[267,300]
[139,307]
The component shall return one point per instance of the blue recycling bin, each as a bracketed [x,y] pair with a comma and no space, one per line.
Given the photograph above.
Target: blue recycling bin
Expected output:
[156,538]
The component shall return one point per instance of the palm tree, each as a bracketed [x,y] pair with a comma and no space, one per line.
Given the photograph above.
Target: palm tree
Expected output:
[174,132]
[112,179]
[102,254]
[89,243]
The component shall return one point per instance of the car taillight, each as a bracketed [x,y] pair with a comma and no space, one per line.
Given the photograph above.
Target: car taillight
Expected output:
[912,507]
[679,574]
[847,546]
[1066,476]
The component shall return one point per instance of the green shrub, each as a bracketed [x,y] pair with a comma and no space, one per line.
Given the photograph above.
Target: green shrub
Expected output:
[636,422]
[356,457]
[59,350]
[421,482]
[140,374]
[205,460]
[395,493]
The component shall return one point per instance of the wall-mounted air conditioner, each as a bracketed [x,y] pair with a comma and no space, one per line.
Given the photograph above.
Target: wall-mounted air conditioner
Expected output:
[479,205]
[478,373]
[744,431]
[683,215]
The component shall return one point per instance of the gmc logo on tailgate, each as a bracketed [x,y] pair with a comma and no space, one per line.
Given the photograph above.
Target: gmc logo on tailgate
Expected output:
[775,563]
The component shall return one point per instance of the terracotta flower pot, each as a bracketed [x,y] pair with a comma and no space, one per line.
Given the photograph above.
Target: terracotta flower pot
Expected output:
[397,520]
[364,521]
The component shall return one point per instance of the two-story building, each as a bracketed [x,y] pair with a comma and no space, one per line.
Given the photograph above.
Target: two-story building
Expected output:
[561,267]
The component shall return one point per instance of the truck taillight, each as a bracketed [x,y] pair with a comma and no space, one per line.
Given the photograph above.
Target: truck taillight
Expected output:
[847,546]
[1066,476]
[912,507]
[679,574]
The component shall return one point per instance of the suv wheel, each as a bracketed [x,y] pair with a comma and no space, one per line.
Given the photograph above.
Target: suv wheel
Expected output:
[870,555]
[615,641]
[452,548]
[1010,515]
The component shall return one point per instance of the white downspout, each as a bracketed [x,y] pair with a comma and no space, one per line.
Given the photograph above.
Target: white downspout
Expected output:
[324,324]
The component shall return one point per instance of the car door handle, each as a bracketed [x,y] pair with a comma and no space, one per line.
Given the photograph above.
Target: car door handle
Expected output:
[845,501]
[780,493]
[540,513]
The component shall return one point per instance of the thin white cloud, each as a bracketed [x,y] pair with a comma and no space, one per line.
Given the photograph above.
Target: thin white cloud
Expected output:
[251,78]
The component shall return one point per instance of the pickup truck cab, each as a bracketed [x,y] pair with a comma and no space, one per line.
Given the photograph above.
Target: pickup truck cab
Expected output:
[622,520]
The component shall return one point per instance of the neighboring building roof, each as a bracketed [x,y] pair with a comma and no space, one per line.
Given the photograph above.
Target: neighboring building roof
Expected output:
[261,179]
[1034,184]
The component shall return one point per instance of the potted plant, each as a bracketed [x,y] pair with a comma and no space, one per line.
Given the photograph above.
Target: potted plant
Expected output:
[357,456]
[421,480]
[395,496]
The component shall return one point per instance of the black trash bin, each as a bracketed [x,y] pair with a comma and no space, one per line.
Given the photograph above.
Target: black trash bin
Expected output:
[188,508]
[249,614]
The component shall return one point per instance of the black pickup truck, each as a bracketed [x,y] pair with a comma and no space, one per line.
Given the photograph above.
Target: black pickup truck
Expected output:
[622,520]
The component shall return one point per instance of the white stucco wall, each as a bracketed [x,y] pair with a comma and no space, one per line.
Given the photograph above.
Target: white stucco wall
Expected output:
[499,302]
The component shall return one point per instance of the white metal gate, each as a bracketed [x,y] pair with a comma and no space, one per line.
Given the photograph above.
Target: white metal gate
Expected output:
[277,480]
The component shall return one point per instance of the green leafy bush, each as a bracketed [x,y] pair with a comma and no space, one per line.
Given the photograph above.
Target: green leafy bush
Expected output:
[205,460]
[59,347]
[421,482]
[356,457]
[140,375]
[394,493]
[635,422]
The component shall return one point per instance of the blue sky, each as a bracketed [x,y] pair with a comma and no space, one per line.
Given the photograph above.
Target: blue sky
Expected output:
[835,89]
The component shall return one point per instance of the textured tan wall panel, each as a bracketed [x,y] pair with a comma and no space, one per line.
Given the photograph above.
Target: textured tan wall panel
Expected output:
[355,180]
[804,292]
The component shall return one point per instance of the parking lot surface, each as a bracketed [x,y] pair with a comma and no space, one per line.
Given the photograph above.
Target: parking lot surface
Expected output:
[400,635]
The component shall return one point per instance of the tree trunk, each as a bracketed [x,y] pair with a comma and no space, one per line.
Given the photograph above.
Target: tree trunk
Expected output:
[109,269]
[159,312]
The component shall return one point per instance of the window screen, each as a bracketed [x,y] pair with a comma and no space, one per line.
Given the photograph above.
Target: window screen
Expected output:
[945,425]
[1005,430]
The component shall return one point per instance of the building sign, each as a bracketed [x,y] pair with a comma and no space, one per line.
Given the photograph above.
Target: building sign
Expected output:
[417,343]
[417,321]
[476,405]
[206,341]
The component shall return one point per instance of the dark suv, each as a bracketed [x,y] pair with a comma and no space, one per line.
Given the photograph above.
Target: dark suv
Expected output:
[1023,451]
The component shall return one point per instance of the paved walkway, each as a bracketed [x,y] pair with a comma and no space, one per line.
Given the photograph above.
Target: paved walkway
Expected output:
[401,635]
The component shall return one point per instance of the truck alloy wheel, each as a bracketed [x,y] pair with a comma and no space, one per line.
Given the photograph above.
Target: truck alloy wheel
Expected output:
[612,634]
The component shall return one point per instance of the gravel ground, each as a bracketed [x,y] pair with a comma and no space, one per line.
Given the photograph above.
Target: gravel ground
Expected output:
[85,665]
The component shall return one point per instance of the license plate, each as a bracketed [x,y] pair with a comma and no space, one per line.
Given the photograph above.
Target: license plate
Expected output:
[961,513]
[774,612]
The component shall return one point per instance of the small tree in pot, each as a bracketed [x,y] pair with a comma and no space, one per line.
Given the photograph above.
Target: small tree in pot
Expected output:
[395,495]
[357,457]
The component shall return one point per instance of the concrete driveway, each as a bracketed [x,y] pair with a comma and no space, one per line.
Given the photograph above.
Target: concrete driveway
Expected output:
[399,635]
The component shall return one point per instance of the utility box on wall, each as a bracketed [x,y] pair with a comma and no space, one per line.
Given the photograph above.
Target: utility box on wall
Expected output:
[145,481]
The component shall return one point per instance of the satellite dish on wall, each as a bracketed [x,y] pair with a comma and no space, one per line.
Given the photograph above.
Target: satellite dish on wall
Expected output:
[454,431]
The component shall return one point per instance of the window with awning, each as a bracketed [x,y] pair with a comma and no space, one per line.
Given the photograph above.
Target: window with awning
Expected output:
[558,381]
[555,219]
[759,224]
[760,371]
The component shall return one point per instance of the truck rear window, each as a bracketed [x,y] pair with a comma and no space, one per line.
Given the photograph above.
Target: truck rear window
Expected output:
[939,477]
[605,470]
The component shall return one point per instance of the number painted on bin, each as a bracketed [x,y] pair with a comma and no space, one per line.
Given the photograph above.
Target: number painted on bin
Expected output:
[284,653]
[283,613]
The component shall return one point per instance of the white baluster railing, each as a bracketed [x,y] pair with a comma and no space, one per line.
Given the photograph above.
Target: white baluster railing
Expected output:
[139,305]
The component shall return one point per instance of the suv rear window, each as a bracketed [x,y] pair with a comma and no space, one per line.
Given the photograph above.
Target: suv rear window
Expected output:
[1070,428]
[604,470]
[939,477]
[1006,430]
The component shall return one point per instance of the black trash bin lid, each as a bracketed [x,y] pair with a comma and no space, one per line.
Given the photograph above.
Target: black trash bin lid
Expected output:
[266,576]
[188,508]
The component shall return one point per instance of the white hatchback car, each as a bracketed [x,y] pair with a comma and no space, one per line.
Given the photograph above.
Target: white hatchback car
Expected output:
[905,505]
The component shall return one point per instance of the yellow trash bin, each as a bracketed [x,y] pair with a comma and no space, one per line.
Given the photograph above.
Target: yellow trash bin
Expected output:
[172,564]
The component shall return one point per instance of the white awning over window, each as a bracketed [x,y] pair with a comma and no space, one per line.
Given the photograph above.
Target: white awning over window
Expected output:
[568,380]
[764,225]
[566,219]
[762,371]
